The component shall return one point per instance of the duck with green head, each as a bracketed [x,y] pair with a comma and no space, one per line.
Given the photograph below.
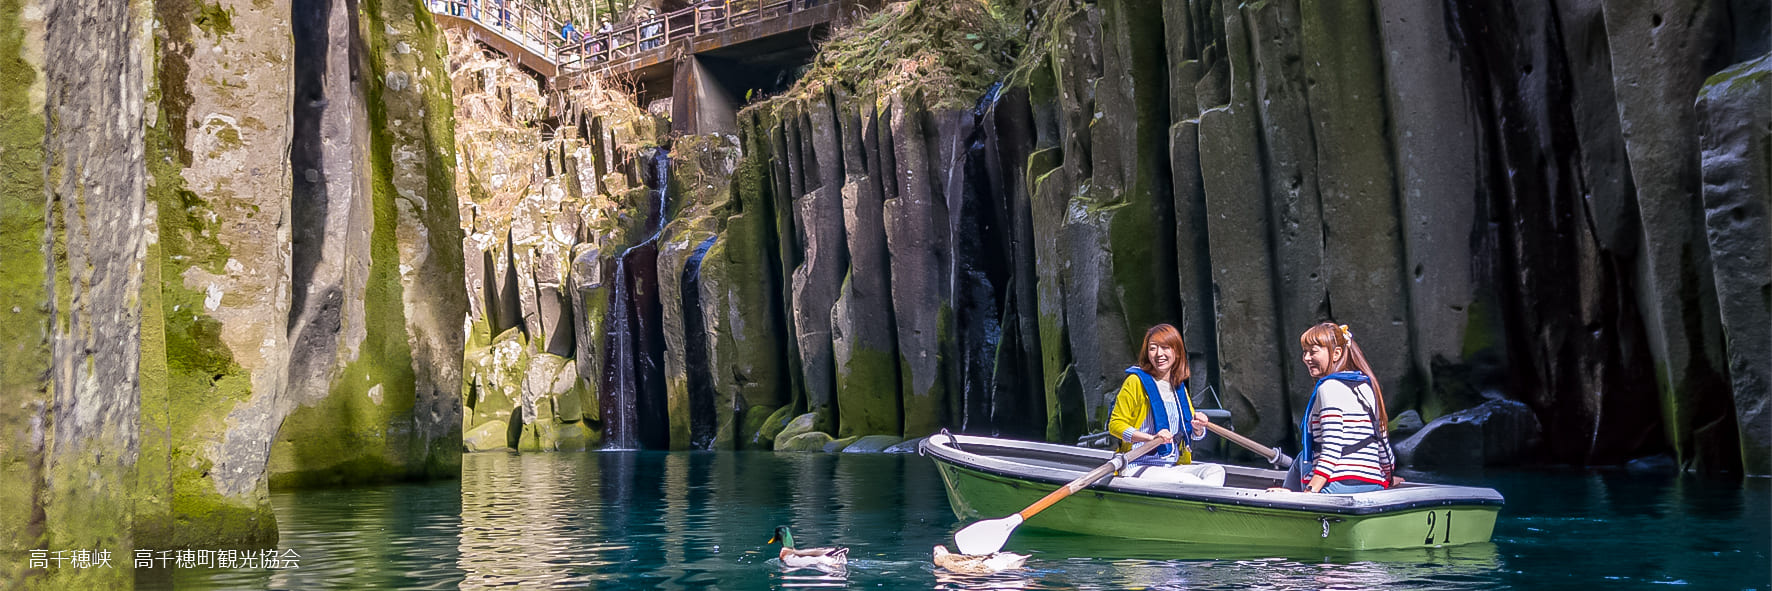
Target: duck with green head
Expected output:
[807,557]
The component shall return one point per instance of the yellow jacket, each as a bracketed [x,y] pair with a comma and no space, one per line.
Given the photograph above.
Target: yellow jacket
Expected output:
[1132,409]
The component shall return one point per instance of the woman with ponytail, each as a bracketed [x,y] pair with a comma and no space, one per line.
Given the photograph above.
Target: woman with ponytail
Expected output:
[1343,432]
[1153,404]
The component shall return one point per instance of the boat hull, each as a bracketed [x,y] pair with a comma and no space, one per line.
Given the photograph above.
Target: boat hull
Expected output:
[1228,515]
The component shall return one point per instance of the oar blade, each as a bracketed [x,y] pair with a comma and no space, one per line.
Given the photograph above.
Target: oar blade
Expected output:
[986,537]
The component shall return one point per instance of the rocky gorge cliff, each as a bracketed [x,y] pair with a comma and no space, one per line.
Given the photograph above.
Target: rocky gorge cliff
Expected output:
[232,264]
[964,215]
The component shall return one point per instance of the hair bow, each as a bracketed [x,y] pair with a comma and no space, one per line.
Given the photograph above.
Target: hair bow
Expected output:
[1345,334]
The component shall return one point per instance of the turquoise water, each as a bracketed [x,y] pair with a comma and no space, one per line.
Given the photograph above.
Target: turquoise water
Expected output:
[700,520]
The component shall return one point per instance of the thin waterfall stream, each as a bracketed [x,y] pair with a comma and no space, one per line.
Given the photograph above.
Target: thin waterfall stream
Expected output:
[634,372]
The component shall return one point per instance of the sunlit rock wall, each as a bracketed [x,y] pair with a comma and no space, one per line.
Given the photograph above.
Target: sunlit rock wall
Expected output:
[184,341]
[74,224]
[375,325]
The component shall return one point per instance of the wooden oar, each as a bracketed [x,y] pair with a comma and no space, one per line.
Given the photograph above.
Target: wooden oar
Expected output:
[988,536]
[1272,454]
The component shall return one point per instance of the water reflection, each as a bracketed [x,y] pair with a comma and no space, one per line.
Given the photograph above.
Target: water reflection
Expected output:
[701,520]
[365,538]
[945,580]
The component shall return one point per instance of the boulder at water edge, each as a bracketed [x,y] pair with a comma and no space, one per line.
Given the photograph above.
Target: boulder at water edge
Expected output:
[810,441]
[1495,432]
[801,424]
[490,435]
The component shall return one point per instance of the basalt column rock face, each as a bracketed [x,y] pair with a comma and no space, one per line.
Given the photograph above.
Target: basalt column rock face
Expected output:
[391,367]
[741,303]
[1436,183]
[228,294]
[1245,308]
[701,175]
[1661,53]
[863,340]
[222,185]
[1735,130]
[915,224]
[75,228]
[818,213]
[1484,192]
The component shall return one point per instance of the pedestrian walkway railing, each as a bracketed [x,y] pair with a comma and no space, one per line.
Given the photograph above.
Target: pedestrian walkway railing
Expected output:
[547,37]
[529,26]
[600,49]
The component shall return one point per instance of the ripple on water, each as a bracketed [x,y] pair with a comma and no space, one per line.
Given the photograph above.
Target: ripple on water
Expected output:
[700,520]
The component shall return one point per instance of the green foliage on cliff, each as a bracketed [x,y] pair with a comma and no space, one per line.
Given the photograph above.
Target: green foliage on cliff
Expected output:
[952,49]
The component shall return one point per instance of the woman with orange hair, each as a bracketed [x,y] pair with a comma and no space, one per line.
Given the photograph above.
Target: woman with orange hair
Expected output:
[1343,436]
[1153,404]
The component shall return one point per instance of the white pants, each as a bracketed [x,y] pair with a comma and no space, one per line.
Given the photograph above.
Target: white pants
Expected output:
[1200,474]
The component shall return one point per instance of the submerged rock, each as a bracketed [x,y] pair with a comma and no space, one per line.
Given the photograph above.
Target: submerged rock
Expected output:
[908,446]
[872,444]
[837,445]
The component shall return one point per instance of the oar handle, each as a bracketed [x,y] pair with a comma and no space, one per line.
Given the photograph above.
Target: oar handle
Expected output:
[1272,454]
[1082,482]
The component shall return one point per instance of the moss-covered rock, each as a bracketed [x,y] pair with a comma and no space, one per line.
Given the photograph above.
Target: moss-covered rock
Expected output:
[774,424]
[488,436]
[73,224]
[805,423]
[752,430]
[24,337]
[808,441]
[741,295]
[497,377]
[218,281]
[574,437]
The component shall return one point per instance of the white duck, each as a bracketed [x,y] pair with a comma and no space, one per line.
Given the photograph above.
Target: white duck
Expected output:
[981,564]
[808,557]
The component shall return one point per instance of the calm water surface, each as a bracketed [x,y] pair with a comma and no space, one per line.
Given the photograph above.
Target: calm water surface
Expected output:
[700,520]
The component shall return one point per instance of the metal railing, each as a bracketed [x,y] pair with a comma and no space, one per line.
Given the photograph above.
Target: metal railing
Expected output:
[546,36]
[531,27]
[601,48]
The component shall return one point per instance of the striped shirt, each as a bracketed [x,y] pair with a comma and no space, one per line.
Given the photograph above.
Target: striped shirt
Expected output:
[1343,437]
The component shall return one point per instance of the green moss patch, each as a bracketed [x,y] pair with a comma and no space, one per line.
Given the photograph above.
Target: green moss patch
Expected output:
[215,19]
[953,49]
[867,394]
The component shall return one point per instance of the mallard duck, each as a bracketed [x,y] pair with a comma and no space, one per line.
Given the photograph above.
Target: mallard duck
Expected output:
[981,564]
[807,557]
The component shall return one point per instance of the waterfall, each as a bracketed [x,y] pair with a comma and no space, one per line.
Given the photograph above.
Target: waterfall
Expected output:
[633,380]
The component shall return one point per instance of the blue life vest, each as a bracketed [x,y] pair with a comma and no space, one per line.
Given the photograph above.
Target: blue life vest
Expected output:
[1160,415]
[1352,378]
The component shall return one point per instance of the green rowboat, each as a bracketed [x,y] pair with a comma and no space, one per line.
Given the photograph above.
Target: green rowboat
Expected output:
[989,478]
